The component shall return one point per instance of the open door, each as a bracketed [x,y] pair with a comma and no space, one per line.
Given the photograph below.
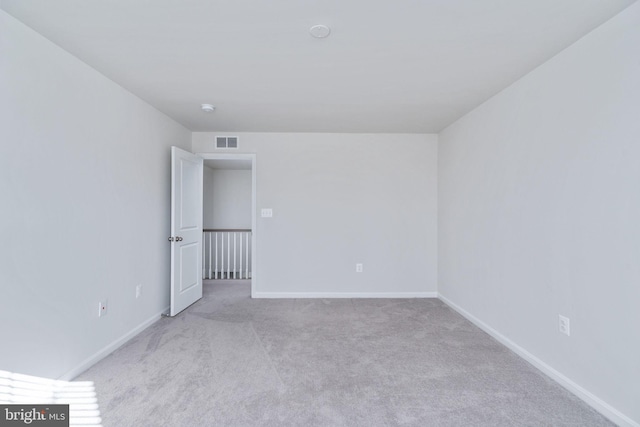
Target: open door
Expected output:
[186,229]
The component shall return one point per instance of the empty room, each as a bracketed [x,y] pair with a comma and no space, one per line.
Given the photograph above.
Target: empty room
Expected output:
[320,213]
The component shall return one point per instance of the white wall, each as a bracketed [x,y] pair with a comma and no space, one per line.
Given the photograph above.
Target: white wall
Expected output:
[340,199]
[539,214]
[84,201]
[227,198]
[207,199]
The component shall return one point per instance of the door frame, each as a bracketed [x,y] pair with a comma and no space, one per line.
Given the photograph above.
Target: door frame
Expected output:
[254,230]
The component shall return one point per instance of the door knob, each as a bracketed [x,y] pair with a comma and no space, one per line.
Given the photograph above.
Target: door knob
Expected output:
[171,239]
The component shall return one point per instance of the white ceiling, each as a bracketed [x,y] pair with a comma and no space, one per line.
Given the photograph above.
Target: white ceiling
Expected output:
[388,66]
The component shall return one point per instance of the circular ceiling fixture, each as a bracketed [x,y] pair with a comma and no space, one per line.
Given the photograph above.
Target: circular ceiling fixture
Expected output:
[208,108]
[320,31]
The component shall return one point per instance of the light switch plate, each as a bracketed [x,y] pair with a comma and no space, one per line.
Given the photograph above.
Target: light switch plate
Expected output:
[267,213]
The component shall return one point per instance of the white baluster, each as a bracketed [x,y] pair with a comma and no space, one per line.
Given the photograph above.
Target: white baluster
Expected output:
[215,273]
[247,241]
[228,255]
[210,237]
[204,246]
[240,255]
[222,255]
[204,255]
[234,255]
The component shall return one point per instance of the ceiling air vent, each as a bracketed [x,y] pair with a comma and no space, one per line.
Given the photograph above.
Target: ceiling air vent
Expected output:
[226,142]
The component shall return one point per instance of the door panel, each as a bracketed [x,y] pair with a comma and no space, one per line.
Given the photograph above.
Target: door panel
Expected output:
[189,184]
[188,267]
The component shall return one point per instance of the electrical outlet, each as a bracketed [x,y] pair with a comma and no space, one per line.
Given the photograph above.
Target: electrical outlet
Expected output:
[564,325]
[359,268]
[138,290]
[103,308]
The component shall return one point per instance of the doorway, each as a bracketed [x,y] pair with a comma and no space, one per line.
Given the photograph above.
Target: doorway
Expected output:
[229,238]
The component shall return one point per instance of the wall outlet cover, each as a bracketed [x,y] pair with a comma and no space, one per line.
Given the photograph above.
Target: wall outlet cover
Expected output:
[564,325]
[103,308]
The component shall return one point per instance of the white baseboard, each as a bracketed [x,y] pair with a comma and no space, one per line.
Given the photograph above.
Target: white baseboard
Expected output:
[592,400]
[345,295]
[92,360]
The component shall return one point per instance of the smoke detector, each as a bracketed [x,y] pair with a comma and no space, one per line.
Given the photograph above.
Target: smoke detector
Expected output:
[320,31]
[208,108]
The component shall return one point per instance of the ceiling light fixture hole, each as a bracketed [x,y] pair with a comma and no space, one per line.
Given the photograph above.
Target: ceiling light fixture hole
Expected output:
[320,31]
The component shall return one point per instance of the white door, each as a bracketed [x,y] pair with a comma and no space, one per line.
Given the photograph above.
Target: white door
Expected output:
[186,229]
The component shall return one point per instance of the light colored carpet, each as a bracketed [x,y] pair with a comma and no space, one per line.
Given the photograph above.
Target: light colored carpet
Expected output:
[233,361]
